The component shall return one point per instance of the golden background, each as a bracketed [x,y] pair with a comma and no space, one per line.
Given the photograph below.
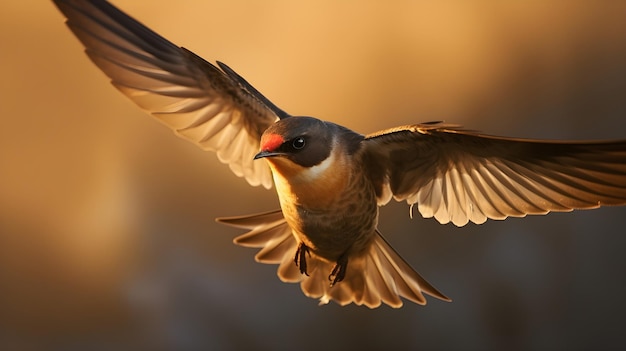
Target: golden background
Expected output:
[107,233]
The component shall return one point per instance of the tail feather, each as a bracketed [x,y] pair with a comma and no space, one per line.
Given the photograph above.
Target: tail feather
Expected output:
[379,275]
[265,227]
[252,221]
[288,272]
[412,284]
[270,232]
[382,279]
[278,248]
[317,282]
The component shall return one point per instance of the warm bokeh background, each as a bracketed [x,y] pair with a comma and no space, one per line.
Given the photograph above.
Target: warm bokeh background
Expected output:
[107,237]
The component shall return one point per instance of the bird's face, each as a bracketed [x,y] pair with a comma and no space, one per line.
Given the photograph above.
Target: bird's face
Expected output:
[307,162]
[296,145]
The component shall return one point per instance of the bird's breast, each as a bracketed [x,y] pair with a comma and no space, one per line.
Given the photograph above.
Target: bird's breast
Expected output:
[332,208]
[314,187]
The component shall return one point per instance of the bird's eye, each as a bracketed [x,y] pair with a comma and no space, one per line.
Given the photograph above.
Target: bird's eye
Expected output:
[298,143]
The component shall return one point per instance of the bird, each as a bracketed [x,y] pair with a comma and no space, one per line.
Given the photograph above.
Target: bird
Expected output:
[330,180]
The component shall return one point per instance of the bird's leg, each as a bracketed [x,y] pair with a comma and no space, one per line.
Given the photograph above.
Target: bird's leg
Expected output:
[339,271]
[300,258]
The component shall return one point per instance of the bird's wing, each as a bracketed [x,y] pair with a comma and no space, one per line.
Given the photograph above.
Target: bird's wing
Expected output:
[216,109]
[459,176]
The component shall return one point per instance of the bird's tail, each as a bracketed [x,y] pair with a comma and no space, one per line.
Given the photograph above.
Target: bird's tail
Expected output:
[269,232]
[377,276]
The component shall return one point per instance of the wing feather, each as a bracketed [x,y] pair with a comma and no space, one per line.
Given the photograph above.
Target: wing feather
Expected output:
[459,176]
[211,107]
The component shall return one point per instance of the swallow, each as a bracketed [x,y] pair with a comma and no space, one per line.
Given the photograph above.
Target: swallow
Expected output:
[331,180]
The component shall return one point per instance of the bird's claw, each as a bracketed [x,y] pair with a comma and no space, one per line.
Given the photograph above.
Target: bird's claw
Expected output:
[339,271]
[300,258]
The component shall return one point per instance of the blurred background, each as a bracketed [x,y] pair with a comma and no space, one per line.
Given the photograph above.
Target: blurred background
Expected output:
[107,233]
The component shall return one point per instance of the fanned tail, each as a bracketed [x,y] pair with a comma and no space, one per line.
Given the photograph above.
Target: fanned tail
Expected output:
[377,276]
[269,232]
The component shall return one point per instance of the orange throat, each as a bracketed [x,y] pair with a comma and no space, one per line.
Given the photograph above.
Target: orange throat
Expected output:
[312,187]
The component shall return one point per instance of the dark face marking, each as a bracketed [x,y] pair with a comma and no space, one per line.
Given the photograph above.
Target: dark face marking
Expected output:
[306,141]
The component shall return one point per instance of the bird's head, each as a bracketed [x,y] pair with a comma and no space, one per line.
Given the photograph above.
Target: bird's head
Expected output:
[296,143]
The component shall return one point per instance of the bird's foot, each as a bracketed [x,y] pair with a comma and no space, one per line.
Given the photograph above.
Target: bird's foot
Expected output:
[300,258]
[339,271]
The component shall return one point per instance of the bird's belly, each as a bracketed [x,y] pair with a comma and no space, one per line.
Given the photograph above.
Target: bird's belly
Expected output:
[345,226]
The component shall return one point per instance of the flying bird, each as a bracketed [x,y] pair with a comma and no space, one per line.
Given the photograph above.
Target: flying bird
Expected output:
[331,180]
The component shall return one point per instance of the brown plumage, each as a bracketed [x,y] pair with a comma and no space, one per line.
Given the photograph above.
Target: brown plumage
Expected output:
[331,180]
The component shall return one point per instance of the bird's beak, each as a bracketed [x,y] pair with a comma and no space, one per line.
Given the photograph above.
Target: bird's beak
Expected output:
[266,153]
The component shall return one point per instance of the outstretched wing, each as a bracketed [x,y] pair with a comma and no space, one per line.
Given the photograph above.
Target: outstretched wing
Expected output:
[216,109]
[459,176]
